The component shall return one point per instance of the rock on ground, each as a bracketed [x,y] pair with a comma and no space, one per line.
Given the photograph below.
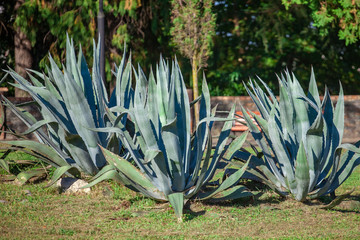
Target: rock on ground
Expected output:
[72,185]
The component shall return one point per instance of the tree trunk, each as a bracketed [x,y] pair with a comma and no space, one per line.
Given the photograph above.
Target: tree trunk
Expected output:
[194,65]
[23,57]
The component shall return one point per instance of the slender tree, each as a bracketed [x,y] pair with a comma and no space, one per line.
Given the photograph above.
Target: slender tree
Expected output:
[192,32]
[23,56]
[6,35]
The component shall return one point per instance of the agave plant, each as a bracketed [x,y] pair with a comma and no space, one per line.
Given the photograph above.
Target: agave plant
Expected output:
[166,162]
[71,103]
[300,138]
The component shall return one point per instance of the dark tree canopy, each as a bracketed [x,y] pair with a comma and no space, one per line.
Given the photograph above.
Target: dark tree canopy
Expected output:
[263,38]
[139,24]
[253,37]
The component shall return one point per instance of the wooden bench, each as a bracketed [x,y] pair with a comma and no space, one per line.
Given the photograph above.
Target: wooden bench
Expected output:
[240,125]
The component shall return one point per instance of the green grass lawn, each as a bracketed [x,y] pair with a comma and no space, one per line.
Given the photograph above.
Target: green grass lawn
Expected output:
[113,212]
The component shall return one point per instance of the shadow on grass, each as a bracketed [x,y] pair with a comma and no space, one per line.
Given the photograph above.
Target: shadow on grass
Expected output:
[256,200]
[346,210]
[190,214]
[347,205]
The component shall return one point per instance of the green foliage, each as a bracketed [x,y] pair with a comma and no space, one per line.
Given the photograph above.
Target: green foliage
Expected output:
[300,140]
[57,17]
[129,21]
[167,162]
[71,102]
[344,14]
[249,35]
[6,37]
[193,28]
[255,37]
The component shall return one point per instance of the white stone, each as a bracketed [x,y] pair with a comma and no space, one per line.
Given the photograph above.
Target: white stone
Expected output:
[72,185]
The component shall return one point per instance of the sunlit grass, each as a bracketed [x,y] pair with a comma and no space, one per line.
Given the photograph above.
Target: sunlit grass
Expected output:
[112,211]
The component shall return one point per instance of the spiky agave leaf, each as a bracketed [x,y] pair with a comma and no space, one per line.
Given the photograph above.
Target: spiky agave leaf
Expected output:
[171,163]
[300,139]
[72,102]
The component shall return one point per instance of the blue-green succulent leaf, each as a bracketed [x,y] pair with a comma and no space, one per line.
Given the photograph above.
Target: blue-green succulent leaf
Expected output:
[301,174]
